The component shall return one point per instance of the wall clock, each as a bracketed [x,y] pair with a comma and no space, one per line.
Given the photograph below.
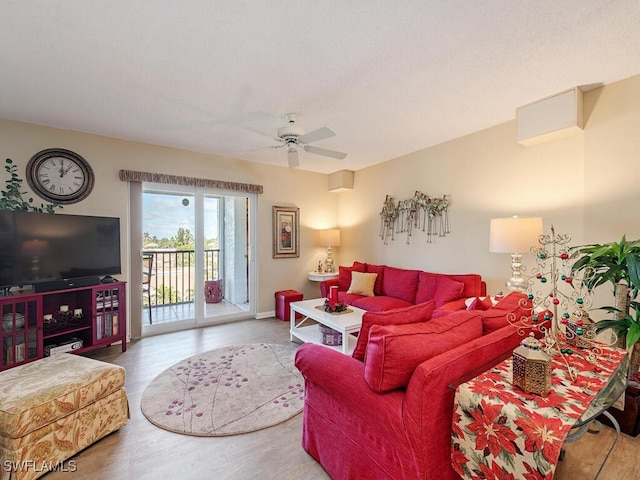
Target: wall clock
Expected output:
[60,176]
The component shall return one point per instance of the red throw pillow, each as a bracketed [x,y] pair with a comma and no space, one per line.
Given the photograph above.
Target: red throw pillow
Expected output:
[514,299]
[427,285]
[359,267]
[448,290]
[394,351]
[480,304]
[379,269]
[400,283]
[397,316]
[344,274]
[344,278]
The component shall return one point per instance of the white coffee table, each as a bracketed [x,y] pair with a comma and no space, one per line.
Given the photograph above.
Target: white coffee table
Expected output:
[345,323]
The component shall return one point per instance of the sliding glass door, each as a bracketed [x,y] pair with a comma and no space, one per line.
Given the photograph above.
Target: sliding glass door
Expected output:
[197,267]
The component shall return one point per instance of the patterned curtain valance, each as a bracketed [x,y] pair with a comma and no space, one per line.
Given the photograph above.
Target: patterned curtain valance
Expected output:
[132,176]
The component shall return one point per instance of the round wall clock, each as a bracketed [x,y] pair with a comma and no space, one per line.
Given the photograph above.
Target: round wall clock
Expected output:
[60,176]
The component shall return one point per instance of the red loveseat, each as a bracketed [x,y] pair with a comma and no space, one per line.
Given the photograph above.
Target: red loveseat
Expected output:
[390,416]
[398,288]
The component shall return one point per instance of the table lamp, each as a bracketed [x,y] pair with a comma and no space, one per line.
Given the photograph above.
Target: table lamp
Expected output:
[329,238]
[514,235]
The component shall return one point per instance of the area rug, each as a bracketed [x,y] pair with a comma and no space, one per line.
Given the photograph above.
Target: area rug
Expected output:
[226,391]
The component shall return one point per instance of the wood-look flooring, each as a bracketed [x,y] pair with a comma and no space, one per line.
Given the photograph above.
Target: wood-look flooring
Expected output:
[143,451]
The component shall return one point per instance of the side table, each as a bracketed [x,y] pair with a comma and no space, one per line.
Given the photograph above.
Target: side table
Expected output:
[320,277]
[629,418]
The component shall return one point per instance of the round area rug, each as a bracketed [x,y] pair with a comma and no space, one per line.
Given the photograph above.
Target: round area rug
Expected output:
[226,391]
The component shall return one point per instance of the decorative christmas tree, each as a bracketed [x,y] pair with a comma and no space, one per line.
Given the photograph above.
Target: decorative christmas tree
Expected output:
[559,303]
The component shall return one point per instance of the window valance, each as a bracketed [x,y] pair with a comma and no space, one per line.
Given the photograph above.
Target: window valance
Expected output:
[133,176]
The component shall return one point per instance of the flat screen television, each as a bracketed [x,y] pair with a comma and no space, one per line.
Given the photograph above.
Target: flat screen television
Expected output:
[56,251]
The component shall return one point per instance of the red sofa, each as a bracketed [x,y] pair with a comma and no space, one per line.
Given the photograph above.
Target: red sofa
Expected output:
[389,416]
[398,288]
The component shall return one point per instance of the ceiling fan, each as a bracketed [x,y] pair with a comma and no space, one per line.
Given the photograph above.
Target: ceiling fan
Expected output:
[295,138]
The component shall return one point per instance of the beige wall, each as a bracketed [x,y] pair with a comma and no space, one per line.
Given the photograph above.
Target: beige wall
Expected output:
[585,185]
[282,186]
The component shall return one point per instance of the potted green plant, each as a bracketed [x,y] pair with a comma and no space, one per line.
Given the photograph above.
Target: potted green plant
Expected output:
[628,326]
[617,263]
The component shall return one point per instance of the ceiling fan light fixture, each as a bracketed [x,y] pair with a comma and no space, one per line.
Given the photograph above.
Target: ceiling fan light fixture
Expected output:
[296,139]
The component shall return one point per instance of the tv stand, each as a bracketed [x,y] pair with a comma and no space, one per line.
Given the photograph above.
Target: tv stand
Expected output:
[66,283]
[76,320]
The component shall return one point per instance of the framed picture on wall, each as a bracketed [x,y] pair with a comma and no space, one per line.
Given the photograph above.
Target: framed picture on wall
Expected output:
[286,232]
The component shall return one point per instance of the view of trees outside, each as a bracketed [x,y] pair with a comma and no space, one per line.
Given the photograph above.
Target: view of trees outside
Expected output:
[173,268]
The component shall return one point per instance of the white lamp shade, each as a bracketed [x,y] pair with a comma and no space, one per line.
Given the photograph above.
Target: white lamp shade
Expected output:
[514,234]
[329,238]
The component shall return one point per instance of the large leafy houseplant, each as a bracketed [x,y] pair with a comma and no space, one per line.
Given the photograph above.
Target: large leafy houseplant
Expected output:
[613,262]
[627,326]
[617,263]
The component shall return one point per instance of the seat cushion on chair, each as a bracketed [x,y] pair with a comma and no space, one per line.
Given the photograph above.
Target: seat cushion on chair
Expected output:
[38,393]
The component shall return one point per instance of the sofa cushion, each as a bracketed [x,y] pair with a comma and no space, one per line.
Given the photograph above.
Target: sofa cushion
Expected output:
[473,285]
[427,285]
[348,298]
[394,351]
[359,267]
[344,274]
[362,283]
[344,278]
[398,316]
[379,303]
[400,283]
[448,290]
[450,307]
[379,269]
[515,305]
[514,299]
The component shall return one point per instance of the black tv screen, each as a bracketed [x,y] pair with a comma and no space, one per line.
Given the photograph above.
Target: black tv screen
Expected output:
[37,248]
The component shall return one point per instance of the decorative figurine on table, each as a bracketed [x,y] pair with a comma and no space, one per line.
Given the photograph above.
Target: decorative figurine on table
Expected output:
[332,304]
[319,269]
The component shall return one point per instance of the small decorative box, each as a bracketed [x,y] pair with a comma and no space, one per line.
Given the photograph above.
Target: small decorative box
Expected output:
[330,336]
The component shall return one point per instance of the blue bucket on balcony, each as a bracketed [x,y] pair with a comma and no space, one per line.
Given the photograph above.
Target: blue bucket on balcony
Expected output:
[213,291]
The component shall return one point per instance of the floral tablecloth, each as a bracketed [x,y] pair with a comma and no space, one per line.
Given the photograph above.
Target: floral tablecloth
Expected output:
[499,432]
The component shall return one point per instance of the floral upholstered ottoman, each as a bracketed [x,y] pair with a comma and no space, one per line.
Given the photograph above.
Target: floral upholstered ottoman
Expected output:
[52,408]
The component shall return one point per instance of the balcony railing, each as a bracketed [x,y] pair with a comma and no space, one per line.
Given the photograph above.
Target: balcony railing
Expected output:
[172,278]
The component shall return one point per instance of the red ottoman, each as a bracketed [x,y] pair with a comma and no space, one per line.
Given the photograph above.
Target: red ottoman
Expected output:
[283,299]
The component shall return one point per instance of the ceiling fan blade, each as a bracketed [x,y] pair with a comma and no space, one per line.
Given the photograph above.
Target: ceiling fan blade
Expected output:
[255,130]
[325,152]
[293,157]
[316,135]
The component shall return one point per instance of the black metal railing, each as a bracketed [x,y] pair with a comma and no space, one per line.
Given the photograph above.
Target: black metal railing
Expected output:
[172,274]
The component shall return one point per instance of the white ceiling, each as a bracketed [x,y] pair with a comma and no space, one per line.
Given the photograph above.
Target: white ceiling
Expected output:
[388,77]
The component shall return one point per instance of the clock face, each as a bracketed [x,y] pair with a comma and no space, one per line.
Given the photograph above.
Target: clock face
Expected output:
[60,176]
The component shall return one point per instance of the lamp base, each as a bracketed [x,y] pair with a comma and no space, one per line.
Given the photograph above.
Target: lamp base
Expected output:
[328,263]
[517,283]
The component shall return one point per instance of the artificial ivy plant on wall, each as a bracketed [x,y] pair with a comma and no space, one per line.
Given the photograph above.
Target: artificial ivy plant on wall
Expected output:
[12,194]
